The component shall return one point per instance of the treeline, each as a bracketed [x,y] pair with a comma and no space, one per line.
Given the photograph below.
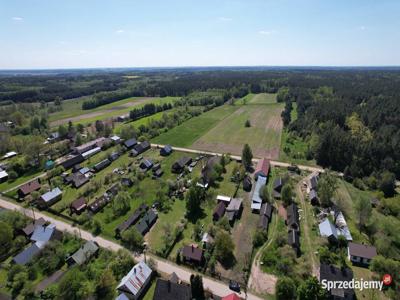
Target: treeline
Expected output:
[104,98]
[47,88]
[148,110]
[352,118]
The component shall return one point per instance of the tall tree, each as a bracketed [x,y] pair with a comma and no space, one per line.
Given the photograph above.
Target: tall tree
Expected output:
[311,290]
[6,238]
[196,283]
[224,246]
[287,194]
[363,209]
[193,201]
[327,186]
[247,156]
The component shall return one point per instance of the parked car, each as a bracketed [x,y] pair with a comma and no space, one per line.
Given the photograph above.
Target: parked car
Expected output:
[234,286]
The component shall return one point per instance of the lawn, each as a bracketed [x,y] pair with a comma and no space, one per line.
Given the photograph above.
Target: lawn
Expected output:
[5,186]
[185,134]
[230,134]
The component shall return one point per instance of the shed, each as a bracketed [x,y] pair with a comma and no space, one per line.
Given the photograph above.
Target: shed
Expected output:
[101,165]
[146,164]
[234,209]
[294,240]
[3,176]
[328,230]
[72,161]
[30,228]
[219,211]
[293,217]
[256,200]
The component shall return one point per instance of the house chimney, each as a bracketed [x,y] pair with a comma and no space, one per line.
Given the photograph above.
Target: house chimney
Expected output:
[134,271]
[192,248]
[169,286]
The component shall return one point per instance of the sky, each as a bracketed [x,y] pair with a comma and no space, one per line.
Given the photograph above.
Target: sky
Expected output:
[41,34]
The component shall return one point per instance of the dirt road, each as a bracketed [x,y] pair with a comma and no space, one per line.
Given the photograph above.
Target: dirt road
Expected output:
[216,287]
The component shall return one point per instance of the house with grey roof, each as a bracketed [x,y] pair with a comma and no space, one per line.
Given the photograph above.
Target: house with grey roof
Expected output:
[51,197]
[84,253]
[256,200]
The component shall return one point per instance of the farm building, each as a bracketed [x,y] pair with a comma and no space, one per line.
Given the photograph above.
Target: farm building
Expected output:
[51,197]
[91,152]
[146,165]
[146,222]
[136,281]
[90,145]
[262,168]
[29,187]
[131,220]
[84,170]
[256,200]
[180,164]
[341,225]
[79,179]
[158,173]
[219,211]
[78,206]
[294,240]
[332,273]
[98,204]
[101,165]
[89,249]
[292,220]
[247,184]
[234,209]
[166,150]
[130,143]
[192,254]
[10,154]
[3,176]
[169,290]
[207,239]
[72,161]
[313,197]
[277,187]
[140,148]
[360,254]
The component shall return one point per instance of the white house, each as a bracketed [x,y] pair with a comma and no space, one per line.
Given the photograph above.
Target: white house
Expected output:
[136,281]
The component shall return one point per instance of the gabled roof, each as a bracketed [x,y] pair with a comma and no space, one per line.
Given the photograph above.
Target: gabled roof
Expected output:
[30,228]
[166,150]
[54,193]
[78,179]
[327,229]
[42,234]
[361,250]
[146,164]
[84,170]
[3,174]
[78,204]
[134,282]
[293,239]
[130,143]
[235,204]
[26,256]
[168,290]
[29,187]
[84,252]
[72,161]
[91,152]
[256,199]
[182,162]
[263,222]
[266,209]
[192,253]
[262,168]
[314,182]
[278,183]
[146,222]
[292,214]
[98,204]
[219,210]
[101,165]
[313,195]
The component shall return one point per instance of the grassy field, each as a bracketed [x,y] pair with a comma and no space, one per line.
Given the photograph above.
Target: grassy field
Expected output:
[185,134]
[72,110]
[263,136]
[263,98]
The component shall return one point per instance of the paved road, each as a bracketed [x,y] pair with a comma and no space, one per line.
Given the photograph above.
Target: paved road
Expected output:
[273,162]
[215,286]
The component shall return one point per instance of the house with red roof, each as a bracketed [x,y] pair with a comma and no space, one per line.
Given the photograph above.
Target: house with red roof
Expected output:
[262,168]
